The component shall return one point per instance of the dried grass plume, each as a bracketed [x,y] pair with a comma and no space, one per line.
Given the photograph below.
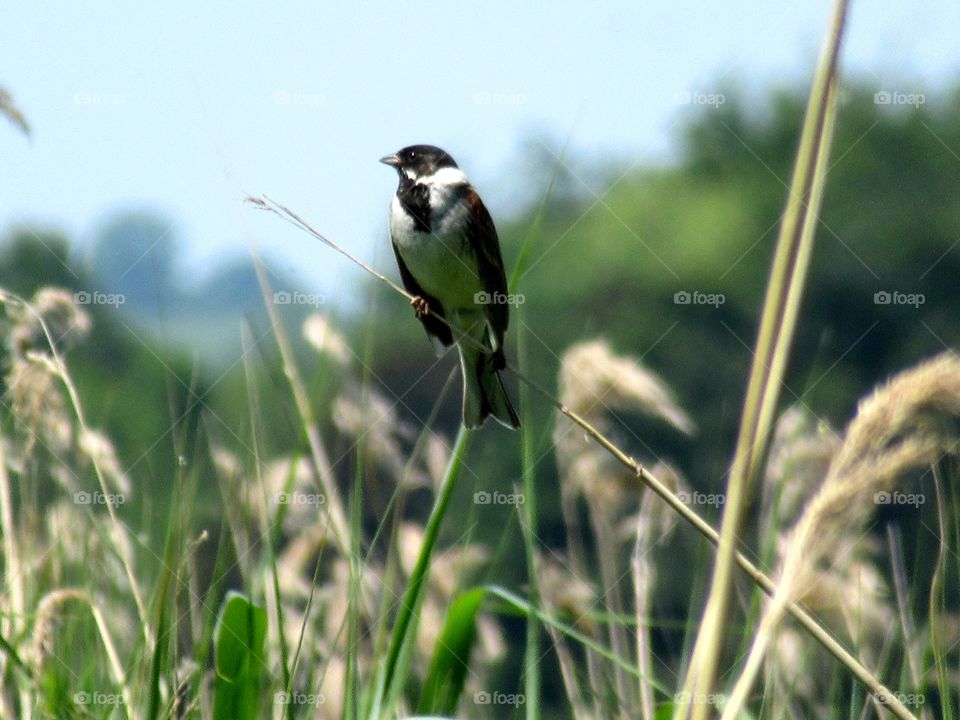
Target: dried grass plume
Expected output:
[907,423]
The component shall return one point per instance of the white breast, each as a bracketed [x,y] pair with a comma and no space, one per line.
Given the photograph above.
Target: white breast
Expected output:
[441,261]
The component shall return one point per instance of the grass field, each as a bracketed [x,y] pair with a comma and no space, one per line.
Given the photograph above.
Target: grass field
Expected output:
[819,581]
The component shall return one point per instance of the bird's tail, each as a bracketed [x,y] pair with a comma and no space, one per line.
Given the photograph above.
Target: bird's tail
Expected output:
[483,391]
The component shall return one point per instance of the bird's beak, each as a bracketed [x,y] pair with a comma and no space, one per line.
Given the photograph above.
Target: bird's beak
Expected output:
[391,160]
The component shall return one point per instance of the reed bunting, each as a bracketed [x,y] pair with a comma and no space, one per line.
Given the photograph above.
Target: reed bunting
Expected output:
[449,257]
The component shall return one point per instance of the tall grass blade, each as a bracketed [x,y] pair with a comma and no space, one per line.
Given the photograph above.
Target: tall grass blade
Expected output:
[266,531]
[780,310]
[528,527]
[162,596]
[351,700]
[528,520]
[321,461]
[421,571]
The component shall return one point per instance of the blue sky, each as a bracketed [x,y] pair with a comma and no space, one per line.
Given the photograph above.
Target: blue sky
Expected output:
[183,108]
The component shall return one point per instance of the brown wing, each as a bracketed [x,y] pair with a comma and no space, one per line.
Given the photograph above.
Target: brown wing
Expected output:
[482,236]
[437,330]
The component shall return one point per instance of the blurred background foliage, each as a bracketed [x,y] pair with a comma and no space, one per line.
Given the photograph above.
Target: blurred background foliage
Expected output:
[163,373]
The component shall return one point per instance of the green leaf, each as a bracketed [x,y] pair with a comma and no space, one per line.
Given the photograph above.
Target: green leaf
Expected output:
[451,656]
[664,712]
[238,657]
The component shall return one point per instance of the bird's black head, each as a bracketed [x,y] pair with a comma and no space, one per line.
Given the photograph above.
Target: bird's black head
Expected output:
[419,161]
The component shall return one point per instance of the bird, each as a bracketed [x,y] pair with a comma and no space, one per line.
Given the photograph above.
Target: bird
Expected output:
[448,253]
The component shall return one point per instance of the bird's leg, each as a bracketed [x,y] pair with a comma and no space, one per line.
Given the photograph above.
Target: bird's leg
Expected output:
[420,307]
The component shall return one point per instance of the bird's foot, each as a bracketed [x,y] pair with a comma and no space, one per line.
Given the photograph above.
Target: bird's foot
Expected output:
[420,307]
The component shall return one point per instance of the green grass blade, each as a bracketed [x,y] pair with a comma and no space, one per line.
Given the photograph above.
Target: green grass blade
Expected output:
[531,673]
[451,656]
[161,623]
[267,532]
[318,453]
[421,571]
[16,660]
[352,684]
[528,527]
[386,533]
[239,658]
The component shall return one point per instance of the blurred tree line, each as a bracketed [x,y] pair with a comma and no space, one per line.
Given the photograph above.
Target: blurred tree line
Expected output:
[611,263]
